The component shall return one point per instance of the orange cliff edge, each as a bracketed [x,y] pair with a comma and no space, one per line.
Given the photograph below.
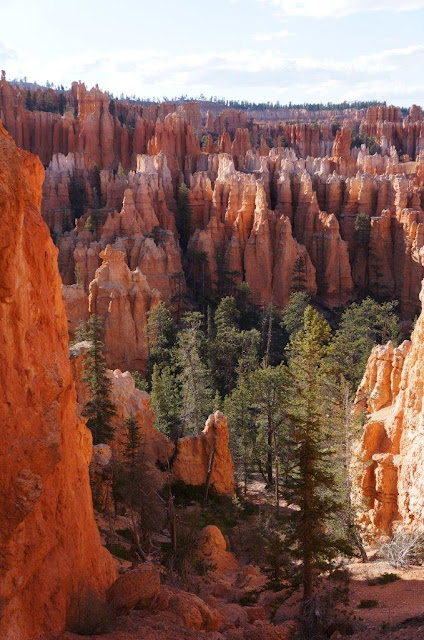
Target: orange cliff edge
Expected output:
[50,551]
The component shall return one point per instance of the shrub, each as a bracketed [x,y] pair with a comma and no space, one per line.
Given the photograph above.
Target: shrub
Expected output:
[385,578]
[249,598]
[119,551]
[404,549]
[368,604]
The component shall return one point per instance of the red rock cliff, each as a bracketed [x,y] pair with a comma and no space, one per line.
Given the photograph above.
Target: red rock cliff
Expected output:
[392,447]
[50,550]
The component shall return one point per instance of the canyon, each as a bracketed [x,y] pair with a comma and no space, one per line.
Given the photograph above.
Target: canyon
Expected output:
[267,200]
[101,230]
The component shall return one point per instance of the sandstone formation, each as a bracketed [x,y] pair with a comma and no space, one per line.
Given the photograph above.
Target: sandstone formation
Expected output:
[193,456]
[212,549]
[392,442]
[136,588]
[50,550]
[196,454]
[266,170]
[121,299]
[381,381]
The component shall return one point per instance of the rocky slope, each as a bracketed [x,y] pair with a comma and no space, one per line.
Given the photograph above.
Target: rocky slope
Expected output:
[393,439]
[50,553]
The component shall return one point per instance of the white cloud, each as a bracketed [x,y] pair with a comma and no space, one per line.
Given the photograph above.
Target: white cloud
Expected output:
[340,8]
[251,74]
[274,35]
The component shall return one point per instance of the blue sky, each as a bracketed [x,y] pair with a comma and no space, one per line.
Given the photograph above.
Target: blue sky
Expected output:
[298,50]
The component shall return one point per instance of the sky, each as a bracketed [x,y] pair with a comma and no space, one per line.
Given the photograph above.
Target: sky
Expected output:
[257,50]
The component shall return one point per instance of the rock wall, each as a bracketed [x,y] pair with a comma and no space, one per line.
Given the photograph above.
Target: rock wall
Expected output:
[392,446]
[50,550]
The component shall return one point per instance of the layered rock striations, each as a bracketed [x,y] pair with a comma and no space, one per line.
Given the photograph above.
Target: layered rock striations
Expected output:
[392,444]
[265,196]
[121,299]
[50,552]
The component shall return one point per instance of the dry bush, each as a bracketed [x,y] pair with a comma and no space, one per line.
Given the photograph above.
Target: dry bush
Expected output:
[405,548]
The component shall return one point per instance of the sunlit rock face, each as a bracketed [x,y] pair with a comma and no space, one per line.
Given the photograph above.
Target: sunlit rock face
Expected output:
[50,550]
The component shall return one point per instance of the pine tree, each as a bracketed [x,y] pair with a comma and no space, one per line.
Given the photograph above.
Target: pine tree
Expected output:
[299,275]
[239,410]
[267,389]
[193,377]
[362,230]
[29,102]
[139,381]
[361,327]
[292,316]
[272,338]
[166,403]
[310,487]
[183,214]
[226,279]
[160,336]
[226,344]
[132,441]
[99,410]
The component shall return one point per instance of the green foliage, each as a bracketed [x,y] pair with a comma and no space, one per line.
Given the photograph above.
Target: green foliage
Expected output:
[368,604]
[183,214]
[267,396]
[292,316]
[132,440]
[29,102]
[96,184]
[385,578]
[240,413]
[299,279]
[368,141]
[139,381]
[166,403]
[273,339]
[81,333]
[193,376]
[229,344]
[362,326]
[248,314]
[89,224]
[197,276]
[249,598]
[160,336]
[362,229]
[310,484]
[226,277]
[99,410]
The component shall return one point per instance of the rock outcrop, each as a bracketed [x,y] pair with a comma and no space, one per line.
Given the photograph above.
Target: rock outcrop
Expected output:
[122,299]
[136,588]
[50,553]
[209,450]
[195,455]
[392,447]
